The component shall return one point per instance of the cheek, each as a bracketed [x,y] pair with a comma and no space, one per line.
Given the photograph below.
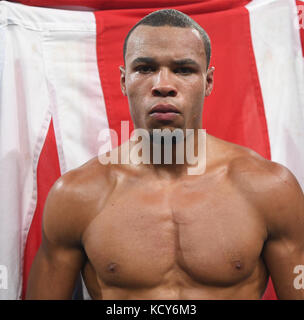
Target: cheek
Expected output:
[196,93]
[137,91]
[195,99]
[196,85]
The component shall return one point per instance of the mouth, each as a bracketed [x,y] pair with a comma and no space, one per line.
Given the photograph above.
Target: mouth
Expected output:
[164,108]
[164,112]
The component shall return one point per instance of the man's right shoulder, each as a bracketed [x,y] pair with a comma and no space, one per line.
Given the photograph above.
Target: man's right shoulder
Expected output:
[86,182]
[76,198]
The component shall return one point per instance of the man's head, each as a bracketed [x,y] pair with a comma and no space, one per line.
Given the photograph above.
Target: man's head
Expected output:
[166,58]
[172,18]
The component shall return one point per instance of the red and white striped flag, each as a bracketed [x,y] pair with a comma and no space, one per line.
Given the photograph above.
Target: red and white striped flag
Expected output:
[60,87]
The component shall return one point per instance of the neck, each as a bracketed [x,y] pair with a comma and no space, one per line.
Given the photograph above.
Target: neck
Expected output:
[169,154]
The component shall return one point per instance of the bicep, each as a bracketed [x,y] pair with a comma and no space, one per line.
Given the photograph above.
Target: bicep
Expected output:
[60,257]
[284,249]
[282,256]
[54,272]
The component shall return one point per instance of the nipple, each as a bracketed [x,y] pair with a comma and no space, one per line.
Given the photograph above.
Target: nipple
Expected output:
[111,267]
[238,264]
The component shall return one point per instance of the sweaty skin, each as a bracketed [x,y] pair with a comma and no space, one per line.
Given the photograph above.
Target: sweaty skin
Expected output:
[153,231]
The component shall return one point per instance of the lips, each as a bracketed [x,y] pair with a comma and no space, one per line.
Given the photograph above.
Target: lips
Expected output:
[164,112]
[164,108]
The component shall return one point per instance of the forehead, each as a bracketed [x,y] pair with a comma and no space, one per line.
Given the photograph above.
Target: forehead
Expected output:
[165,41]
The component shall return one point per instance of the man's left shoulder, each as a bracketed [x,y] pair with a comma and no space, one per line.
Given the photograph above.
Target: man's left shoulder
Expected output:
[266,182]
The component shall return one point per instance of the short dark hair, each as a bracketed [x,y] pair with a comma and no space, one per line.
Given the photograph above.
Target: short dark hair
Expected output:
[173,18]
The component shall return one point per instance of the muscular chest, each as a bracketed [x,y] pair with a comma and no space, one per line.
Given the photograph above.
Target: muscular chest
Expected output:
[211,236]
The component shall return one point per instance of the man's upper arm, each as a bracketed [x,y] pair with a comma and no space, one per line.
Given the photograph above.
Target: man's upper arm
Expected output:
[60,256]
[284,248]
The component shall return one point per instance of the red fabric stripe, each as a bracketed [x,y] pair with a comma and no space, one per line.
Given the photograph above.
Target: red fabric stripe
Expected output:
[270,293]
[300,7]
[133,4]
[48,171]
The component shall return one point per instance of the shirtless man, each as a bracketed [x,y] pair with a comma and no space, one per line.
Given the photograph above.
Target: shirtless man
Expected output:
[152,231]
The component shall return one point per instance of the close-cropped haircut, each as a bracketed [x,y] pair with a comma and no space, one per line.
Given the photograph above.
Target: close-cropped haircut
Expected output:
[173,18]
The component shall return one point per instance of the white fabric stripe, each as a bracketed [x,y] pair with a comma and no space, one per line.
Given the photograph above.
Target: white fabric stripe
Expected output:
[48,68]
[46,19]
[27,217]
[24,119]
[78,105]
[277,48]
[299,56]
[68,40]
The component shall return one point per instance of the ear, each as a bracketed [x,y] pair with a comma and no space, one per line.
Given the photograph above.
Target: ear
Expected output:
[123,80]
[209,81]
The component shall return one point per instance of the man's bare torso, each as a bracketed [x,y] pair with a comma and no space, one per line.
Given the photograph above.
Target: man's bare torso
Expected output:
[189,237]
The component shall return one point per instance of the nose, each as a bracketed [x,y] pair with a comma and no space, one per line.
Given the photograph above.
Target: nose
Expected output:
[163,85]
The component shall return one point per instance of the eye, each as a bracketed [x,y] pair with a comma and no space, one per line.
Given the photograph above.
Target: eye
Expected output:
[184,70]
[144,69]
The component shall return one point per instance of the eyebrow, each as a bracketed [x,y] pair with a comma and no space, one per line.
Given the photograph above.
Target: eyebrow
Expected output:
[143,60]
[186,62]
[150,60]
